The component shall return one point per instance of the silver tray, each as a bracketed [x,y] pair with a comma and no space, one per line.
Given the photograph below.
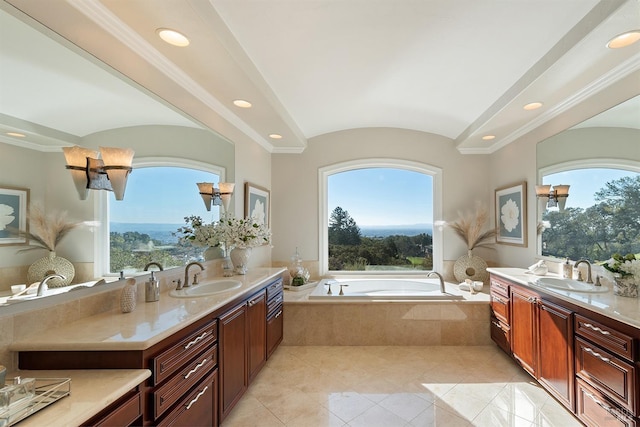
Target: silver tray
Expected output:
[47,391]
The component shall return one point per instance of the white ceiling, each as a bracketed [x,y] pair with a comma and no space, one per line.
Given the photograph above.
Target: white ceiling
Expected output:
[457,68]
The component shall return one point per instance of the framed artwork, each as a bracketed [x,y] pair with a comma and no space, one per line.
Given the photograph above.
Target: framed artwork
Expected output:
[256,203]
[511,215]
[13,215]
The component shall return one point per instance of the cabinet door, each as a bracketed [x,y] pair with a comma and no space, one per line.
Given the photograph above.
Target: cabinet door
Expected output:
[523,328]
[199,408]
[232,344]
[257,318]
[555,363]
[275,330]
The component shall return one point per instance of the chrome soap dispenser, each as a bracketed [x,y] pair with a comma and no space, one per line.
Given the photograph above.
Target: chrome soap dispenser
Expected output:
[152,289]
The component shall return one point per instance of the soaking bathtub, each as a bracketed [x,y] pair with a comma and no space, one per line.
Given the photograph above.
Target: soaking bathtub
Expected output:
[380,289]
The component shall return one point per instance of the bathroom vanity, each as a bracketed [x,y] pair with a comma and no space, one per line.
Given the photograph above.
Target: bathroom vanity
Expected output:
[582,347]
[202,352]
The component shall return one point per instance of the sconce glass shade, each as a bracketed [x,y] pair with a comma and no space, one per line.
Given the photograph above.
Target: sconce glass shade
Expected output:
[543,190]
[206,191]
[76,158]
[226,190]
[117,165]
[561,194]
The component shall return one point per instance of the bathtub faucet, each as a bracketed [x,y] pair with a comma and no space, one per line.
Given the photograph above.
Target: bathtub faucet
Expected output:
[431,273]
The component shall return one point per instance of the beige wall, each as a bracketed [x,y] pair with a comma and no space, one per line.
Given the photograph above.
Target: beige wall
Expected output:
[295,197]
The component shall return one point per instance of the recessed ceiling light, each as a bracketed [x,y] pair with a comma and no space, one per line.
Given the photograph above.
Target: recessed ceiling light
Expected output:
[275,136]
[242,103]
[488,137]
[16,134]
[624,39]
[532,106]
[173,37]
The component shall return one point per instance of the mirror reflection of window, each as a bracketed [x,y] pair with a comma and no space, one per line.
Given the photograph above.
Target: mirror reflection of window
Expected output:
[156,203]
[602,214]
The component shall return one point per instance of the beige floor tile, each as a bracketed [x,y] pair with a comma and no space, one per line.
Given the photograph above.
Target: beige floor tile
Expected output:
[326,386]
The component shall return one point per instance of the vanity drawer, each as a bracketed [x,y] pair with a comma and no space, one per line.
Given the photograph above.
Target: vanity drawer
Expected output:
[499,286]
[273,304]
[501,334]
[274,329]
[500,306]
[199,408]
[596,410]
[607,337]
[172,359]
[605,371]
[274,288]
[176,387]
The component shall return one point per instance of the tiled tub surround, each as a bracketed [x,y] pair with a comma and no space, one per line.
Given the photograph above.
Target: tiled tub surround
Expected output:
[420,323]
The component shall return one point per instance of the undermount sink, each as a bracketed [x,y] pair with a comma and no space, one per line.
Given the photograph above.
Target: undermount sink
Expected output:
[569,285]
[206,289]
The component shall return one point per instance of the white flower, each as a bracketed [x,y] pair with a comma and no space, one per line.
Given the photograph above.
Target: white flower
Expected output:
[258,212]
[6,216]
[230,231]
[510,215]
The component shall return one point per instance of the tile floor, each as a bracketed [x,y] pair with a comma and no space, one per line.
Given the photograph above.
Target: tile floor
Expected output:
[311,386]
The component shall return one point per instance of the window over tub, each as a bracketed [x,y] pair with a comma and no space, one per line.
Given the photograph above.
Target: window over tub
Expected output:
[602,213]
[160,193]
[377,215]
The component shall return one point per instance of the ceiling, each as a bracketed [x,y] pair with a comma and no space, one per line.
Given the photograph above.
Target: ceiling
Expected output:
[462,69]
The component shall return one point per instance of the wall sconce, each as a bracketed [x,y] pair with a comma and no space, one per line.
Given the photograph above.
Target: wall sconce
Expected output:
[214,196]
[92,173]
[548,198]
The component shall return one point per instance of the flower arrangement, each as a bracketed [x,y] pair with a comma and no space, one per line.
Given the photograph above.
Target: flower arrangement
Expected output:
[624,266]
[229,230]
[469,227]
[46,229]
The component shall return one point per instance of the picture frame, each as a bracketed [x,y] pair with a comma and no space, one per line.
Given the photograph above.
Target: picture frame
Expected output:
[256,203]
[14,203]
[511,215]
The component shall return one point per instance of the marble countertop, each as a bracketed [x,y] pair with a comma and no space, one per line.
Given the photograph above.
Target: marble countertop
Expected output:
[91,391]
[147,325]
[623,309]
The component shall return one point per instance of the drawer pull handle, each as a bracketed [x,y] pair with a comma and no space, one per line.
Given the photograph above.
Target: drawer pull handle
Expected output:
[198,366]
[595,328]
[603,405]
[195,341]
[279,313]
[532,299]
[497,325]
[195,399]
[596,354]
[498,299]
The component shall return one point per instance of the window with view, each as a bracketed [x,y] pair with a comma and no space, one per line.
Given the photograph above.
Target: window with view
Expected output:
[142,226]
[601,218]
[379,219]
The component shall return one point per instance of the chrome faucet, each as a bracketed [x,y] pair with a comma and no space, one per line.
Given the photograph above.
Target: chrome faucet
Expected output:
[43,284]
[149,264]
[589,280]
[442,290]
[186,272]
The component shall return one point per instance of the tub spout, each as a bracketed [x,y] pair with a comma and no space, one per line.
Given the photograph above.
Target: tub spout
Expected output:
[431,273]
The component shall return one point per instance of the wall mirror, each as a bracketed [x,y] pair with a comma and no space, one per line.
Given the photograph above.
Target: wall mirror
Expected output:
[600,160]
[52,95]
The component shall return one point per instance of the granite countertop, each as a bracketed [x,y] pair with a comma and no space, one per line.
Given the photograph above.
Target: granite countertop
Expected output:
[91,391]
[623,309]
[147,325]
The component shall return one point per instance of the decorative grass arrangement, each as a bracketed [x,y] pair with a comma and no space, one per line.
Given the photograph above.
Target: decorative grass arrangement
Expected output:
[469,226]
[46,230]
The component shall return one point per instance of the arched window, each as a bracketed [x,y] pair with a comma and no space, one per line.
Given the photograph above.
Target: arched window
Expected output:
[160,193]
[602,213]
[377,217]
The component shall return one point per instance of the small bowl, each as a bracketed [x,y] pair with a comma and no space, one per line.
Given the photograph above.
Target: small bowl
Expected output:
[16,289]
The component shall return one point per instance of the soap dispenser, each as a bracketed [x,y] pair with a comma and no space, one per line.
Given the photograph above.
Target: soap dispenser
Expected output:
[152,289]
[567,270]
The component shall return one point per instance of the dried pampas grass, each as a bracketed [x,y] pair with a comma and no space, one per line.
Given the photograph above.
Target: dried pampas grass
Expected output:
[469,227]
[46,229]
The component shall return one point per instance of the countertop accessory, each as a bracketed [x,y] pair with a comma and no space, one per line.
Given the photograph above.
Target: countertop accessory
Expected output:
[567,270]
[539,268]
[30,396]
[128,296]
[152,289]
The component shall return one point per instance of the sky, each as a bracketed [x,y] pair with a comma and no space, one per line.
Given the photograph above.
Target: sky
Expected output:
[383,196]
[584,183]
[372,196]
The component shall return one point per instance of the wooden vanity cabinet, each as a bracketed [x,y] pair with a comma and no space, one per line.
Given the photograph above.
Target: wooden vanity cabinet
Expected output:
[233,357]
[126,411]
